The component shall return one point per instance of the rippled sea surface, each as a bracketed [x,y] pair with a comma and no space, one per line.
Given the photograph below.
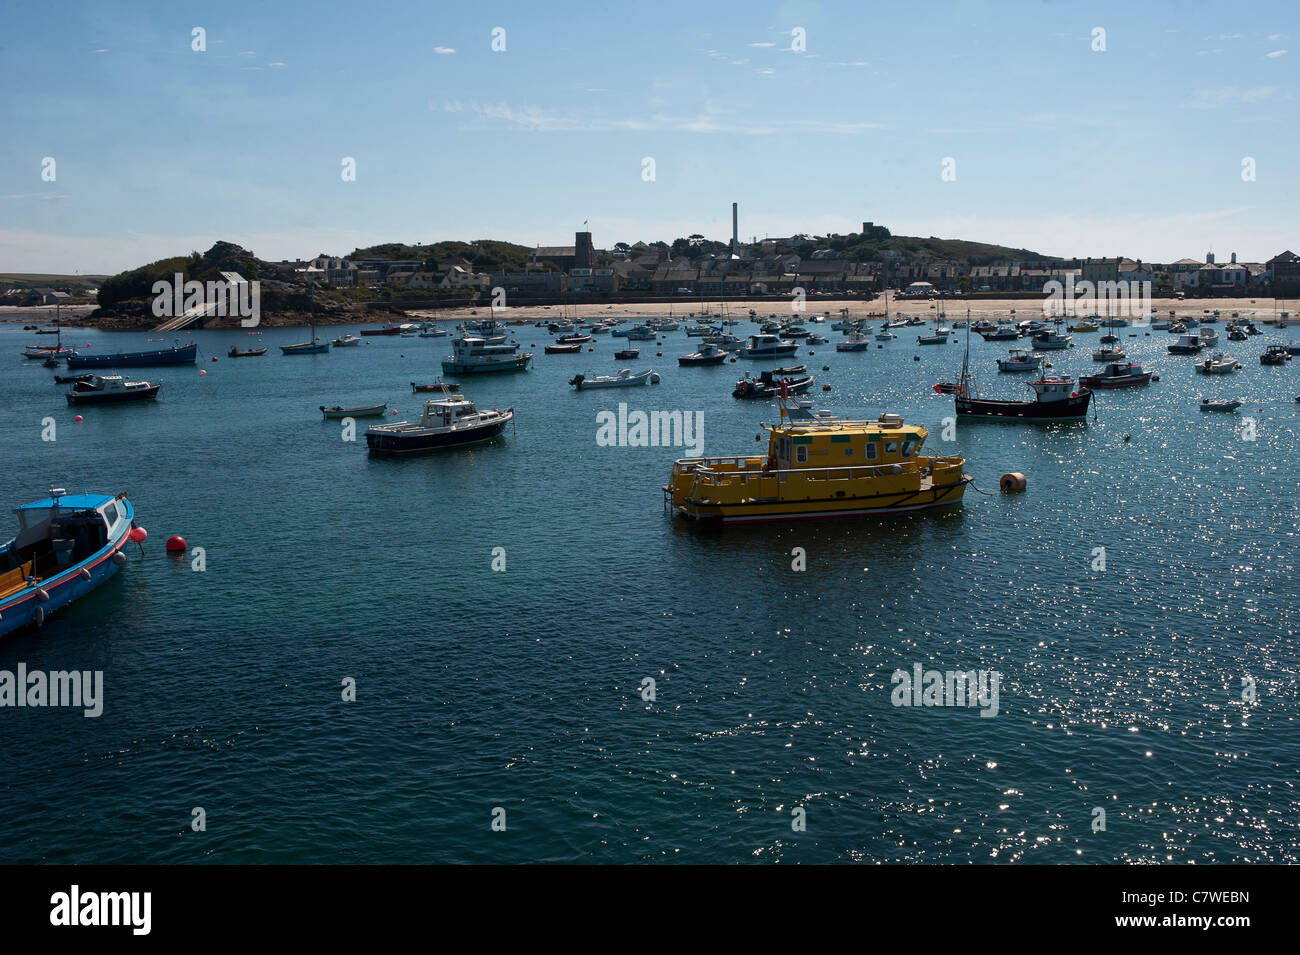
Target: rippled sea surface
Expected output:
[1121,689]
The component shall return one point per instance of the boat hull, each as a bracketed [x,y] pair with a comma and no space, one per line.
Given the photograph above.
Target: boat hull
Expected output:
[393,445]
[1125,381]
[112,397]
[142,359]
[305,348]
[20,609]
[759,509]
[1067,409]
[517,363]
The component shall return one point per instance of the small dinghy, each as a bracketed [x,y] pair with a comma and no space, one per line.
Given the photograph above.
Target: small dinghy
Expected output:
[627,354]
[337,412]
[563,349]
[1230,405]
[344,341]
[250,353]
[626,378]
[788,371]
[73,379]
[946,387]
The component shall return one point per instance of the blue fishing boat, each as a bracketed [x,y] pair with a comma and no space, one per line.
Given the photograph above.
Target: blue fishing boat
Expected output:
[177,355]
[66,546]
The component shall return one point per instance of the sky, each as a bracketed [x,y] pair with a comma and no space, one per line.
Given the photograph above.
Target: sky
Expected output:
[1070,129]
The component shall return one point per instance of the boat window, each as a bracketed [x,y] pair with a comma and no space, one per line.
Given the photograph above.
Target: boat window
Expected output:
[891,447]
[871,450]
[801,454]
[908,447]
[110,513]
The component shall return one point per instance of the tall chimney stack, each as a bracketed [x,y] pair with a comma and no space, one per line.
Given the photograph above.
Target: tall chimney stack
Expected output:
[735,227]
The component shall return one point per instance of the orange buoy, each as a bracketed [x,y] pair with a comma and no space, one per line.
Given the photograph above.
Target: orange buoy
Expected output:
[175,543]
[1014,481]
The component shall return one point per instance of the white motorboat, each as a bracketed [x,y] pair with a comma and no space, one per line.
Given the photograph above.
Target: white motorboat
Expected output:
[473,354]
[1208,336]
[1217,364]
[1051,341]
[626,378]
[1020,360]
[768,346]
[1108,353]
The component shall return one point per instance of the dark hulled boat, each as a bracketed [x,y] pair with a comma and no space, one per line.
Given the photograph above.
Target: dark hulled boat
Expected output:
[447,422]
[767,385]
[1056,398]
[111,389]
[178,355]
[250,353]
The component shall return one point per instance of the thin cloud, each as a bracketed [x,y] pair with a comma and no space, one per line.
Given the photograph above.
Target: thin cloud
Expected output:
[277,65]
[538,120]
[1275,54]
[248,53]
[1231,96]
[763,43]
[443,50]
[105,50]
[35,195]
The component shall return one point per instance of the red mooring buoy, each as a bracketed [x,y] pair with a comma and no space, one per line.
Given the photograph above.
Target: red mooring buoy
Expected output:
[138,534]
[175,543]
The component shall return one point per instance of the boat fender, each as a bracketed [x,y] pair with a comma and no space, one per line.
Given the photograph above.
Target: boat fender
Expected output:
[42,595]
[119,558]
[84,573]
[40,616]
[1014,481]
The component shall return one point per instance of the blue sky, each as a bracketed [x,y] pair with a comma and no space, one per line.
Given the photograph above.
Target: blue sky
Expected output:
[1060,148]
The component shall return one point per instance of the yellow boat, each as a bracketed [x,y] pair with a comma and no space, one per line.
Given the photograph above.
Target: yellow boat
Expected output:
[818,467]
[1085,327]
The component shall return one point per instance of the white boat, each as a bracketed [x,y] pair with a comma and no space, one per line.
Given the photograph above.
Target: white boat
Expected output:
[1217,364]
[366,411]
[855,342]
[1051,341]
[1020,360]
[1230,405]
[1208,336]
[478,355]
[347,341]
[626,378]
[434,333]
[768,346]
[1108,353]
[885,334]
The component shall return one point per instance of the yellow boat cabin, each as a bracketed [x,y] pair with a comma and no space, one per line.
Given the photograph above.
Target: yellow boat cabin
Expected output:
[819,466]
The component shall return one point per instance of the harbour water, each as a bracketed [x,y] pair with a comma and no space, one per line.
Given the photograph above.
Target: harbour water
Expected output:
[1121,688]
